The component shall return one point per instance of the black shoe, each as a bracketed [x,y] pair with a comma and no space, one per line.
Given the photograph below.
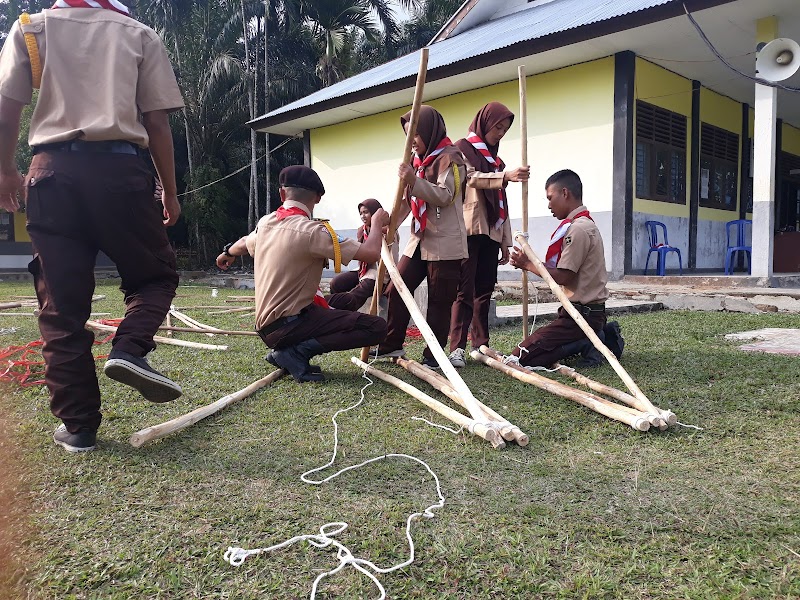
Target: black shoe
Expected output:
[430,363]
[311,368]
[590,358]
[83,441]
[135,372]
[295,360]
[614,339]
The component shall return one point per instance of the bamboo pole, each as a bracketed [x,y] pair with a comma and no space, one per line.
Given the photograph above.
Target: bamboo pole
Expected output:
[155,432]
[190,322]
[168,323]
[471,403]
[602,406]
[473,426]
[523,124]
[10,305]
[643,403]
[669,416]
[507,430]
[401,188]
[231,310]
[157,338]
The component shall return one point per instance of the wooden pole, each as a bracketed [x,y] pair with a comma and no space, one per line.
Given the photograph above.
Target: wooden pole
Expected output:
[523,124]
[401,187]
[157,338]
[669,416]
[10,305]
[636,421]
[190,322]
[168,323]
[644,404]
[471,425]
[155,432]
[507,430]
[471,403]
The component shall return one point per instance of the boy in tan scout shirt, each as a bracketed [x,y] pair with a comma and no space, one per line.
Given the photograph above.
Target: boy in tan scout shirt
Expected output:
[105,90]
[290,249]
[576,261]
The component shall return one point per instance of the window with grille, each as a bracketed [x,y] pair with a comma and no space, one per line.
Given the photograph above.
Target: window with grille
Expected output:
[660,154]
[6,227]
[719,167]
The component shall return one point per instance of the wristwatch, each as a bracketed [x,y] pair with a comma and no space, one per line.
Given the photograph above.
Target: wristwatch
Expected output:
[226,249]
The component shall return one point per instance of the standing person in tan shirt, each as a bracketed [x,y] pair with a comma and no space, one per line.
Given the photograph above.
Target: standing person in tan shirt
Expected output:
[290,249]
[438,243]
[488,227]
[576,261]
[105,90]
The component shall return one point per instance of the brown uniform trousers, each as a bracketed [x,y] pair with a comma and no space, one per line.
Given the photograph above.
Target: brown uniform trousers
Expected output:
[334,329]
[348,293]
[478,277]
[545,345]
[80,203]
[443,278]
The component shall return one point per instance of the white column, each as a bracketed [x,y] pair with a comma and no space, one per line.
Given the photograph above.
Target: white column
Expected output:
[764,137]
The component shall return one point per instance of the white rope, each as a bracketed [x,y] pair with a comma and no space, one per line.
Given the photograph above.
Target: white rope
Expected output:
[432,424]
[323,539]
[690,426]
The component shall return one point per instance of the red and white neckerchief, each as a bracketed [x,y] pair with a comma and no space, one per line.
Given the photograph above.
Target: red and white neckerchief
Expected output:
[479,145]
[419,208]
[557,240]
[114,5]
[281,214]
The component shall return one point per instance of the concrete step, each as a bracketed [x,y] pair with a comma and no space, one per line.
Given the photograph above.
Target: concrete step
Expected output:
[546,311]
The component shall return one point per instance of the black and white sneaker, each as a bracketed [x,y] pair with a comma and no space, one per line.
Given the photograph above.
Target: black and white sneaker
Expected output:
[83,441]
[135,372]
[379,354]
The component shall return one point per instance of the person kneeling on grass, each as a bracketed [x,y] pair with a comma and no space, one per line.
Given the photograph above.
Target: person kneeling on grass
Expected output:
[576,261]
[290,249]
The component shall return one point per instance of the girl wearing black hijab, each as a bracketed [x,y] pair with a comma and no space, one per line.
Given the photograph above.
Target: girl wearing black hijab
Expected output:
[488,227]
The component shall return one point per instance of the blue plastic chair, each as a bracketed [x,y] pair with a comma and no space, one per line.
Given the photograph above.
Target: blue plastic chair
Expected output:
[741,227]
[660,248]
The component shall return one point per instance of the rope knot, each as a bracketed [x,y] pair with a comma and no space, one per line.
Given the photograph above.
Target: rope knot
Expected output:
[236,556]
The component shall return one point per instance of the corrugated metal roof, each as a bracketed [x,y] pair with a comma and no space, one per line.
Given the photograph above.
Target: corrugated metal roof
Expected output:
[530,24]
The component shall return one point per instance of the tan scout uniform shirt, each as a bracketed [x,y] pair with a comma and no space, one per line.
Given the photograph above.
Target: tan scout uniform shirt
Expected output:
[475,216]
[289,258]
[582,253]
[100,70]
[445,235]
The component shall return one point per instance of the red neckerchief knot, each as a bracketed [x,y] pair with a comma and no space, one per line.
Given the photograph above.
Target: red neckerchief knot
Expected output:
[419,208]
[557,240]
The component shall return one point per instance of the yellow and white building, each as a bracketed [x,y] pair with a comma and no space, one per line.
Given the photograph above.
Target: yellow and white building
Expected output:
[625,92]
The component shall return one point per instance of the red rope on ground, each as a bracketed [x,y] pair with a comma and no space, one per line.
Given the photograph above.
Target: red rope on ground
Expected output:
[26,365]
[413,333]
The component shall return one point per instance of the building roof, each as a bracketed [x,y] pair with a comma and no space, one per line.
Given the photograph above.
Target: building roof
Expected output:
[475,49]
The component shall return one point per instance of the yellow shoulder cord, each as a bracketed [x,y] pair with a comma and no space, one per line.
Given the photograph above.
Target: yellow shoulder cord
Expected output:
[337,249]
[33,52]
[457,179]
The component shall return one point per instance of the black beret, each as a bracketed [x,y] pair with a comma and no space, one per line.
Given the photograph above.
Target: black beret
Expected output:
[301,177]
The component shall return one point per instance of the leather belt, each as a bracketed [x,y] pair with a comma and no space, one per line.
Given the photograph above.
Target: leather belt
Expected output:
[106,147]
[277,324]
[590,307]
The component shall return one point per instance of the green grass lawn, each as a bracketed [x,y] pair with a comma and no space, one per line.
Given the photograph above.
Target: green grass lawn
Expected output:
[590,509]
